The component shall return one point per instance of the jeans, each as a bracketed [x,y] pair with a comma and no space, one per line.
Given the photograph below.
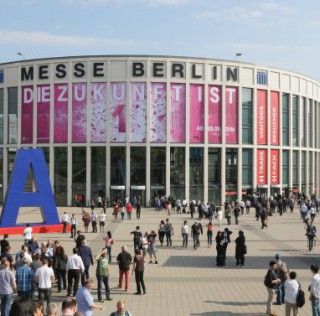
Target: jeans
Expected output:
[196,241]
[44,294]
[127,279]
[185,240]
[6,303]
[209,235]
[85,275]
[65,224]
[73,275]
[315,306]
[169,239]
[74,231]
[62,279]
[94,226]
[140,281]
[105,280]
[109,253]
[280,293]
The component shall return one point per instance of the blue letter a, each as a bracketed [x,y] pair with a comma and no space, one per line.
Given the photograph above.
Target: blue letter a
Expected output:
[16,197]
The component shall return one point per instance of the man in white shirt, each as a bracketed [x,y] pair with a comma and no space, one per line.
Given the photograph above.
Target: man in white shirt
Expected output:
[74,223]
[291,287]
[74,267]
[102,221]
[65,221]
[315,290]
[44,277]
[94,218]
[27,233]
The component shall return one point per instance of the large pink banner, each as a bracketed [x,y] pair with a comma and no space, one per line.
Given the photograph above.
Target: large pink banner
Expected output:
[158,113]
[262,117]
[43,114]
[61,113]
[215,115]
[274,167]
[138,114]
[79,112]
[98,104]
[118,111]
[27,96]
[274,117]
[196,127]
[178,113]
[261,166]
[231,128]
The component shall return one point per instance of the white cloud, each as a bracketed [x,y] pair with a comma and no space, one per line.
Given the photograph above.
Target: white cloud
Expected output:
[127,2]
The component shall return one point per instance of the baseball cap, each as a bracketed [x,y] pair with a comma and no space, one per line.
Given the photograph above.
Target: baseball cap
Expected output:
[277,256]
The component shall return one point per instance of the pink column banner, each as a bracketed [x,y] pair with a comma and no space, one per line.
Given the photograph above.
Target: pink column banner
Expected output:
[118,112]
[232,117]
[79,112]
[178,113]
[215,115]
[196,127]
[43,113]
[138,114]
[261,166]
[27,97]
[262,114]
[274,117]
[61,113]
[98,105]
[158,115]
[274,167]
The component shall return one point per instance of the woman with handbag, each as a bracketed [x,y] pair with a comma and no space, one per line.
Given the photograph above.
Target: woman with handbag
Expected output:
[241,248]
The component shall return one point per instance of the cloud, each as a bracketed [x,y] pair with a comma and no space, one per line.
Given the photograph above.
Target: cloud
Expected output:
[87,3]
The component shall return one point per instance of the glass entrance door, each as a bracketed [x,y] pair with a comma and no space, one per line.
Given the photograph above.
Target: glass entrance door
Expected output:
[138,191]
[117,193]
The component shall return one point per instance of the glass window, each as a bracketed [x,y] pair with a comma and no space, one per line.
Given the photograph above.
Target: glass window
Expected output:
[247,164]
[295,120]
[196,173]
[79,173]
[11,158]
[310,124]
[177,172]
[262,77]
[157,171]
[231,174]
[98,172]
[285,119]
[295,169]
[138,166]
[285,168]
[61,175]
[247,118]
[1,115]
[12,115]
[118,165]
[214,176]
[1,175]
[310,167]
[303,172]
[1,76]
[303,126]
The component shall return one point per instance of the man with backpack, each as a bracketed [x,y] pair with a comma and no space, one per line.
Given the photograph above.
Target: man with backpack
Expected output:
[282,272]
[136,237]
[196,230]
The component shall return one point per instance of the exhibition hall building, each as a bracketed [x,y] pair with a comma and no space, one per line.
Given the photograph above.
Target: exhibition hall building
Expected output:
[191,128]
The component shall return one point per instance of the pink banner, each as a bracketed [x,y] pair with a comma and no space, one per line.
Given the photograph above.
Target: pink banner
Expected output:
[178,113]
[274,167]
[98,104]
[196,127]
[61,113]
[79,112]
[261,166]
[274,117]
[231,128]
[138,114]
[118,111]
[158,115]
[43,114]
[215,115]
[27,97]
[262,117]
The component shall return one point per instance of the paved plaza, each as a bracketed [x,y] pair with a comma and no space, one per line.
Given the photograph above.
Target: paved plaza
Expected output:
[187,281]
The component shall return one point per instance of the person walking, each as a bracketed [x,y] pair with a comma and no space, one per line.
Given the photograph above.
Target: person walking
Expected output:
[219,247]
[291,292]
[152,246]
[169,232]
[240,248]
[60,267]
[86,255]
[94,219]
[185,234]
[102,274]
[138,209]
[136,237]
[226,241]
[121,309]
[315,290]
[124,260]
[25,280]
[196,230]
[162,232]
[109,242]
[74,267]
[74,223]
[282,272]
[209,233]
[65,222]
[138,269]
[27,233]
[102,221]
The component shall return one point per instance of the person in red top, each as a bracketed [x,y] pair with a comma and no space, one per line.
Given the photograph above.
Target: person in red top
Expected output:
[115,210]
[129,210]
[209,233]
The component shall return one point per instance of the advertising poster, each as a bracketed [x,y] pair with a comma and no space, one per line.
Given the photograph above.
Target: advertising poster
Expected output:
[215,115]
[158,115]
[43,113]
[196,113]
[118,112]
[98,106]
[274,117]
[79,112]
[178,113]
[27,96]
[274,167]
[262,114]
[138,114]
[61,113]
[231,129]
[261,166]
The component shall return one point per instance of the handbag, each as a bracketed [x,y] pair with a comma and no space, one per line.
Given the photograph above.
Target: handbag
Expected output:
[301,300]
[245,249]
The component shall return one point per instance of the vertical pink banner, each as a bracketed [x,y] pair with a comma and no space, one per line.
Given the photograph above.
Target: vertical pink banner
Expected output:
[158,115]
[98,105]
[196,127]
[262,114]
[61,113]
[215,115]
[274,117]
[118,111]
[178,113]
[79,112]
[274,167]
[27,97]
[261,166]
[138,114]
[232,118]
[43,113]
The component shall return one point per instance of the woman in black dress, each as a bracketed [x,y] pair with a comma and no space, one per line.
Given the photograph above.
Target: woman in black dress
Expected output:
[220,249]
[240,248]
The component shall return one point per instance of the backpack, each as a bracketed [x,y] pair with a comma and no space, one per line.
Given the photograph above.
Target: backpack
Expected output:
[301,300]
[267,280]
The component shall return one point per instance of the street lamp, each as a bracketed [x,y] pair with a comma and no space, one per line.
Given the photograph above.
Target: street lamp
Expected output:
[238,55]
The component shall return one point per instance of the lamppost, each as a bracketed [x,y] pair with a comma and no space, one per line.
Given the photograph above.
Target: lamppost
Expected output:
[238,55]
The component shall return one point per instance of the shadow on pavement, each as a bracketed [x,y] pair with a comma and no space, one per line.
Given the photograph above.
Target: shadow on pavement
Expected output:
[225,314]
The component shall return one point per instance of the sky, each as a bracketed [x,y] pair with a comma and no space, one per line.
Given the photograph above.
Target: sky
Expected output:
[281,33]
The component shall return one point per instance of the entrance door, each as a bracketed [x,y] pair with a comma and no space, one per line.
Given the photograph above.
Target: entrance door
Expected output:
[138,191]
[117,193]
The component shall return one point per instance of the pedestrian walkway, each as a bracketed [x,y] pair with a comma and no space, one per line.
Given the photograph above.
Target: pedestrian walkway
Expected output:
[187,281]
